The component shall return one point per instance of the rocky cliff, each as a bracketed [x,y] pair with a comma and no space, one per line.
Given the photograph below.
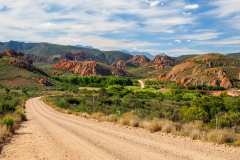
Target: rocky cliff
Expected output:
[163,61]
[209,69]
[83,68]
[119,68]
[138,60]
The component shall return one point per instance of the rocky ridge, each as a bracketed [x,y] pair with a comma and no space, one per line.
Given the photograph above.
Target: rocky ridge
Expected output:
[209,69]
[163,61]
[119,68]
[139,60]
[83,68]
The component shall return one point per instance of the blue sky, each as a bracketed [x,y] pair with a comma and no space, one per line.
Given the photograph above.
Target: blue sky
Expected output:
[174,27]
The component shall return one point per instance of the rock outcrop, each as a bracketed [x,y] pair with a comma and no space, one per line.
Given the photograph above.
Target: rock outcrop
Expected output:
[203,70]
[83,68]
[138,60]
[163,61]
[119,68]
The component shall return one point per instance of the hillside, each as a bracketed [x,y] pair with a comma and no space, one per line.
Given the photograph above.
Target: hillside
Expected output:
[51,51]
[209,69]
[17,72]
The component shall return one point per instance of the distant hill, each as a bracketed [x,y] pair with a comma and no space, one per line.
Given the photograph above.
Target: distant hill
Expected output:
[208,69]
[55,50]
[134,53]
[234,55]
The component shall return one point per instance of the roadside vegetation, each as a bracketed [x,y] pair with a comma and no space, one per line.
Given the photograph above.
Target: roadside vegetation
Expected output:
[176,110]
[12,103]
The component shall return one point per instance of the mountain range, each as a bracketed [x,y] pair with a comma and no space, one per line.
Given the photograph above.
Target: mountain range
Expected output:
[212,69]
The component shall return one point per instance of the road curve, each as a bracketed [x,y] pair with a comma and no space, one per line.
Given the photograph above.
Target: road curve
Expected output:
[141,82]
[50,135]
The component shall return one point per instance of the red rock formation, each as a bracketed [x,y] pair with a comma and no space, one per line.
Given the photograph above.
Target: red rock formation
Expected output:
[200,70]
[138,60]
[119,68]
[163,61]
[226,83]
[83,68]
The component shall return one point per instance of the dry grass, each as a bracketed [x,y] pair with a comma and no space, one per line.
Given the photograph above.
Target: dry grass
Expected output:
[112,118]
[152,126]
[85,115]
[221,136]
[168,126]
[4,132]
[237,143]
[98,116]
[196,134]
[194,130]
[129,119]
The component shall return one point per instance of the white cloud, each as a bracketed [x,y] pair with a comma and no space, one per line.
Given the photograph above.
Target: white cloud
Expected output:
[26,20]
[226,41]
[178,41]
[183,51]
[200,36]
[191,7]
[225,7]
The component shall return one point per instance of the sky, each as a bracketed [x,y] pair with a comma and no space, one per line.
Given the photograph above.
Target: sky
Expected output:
[174,27]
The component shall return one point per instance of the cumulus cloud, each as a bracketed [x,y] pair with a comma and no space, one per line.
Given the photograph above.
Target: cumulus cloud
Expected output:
[191,6]
[225,8]
[108,24]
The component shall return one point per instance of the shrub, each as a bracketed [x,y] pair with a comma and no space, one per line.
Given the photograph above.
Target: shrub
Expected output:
[21,115]
[194,113]
[62,103]
[221,136]
[229,119]
[8,122]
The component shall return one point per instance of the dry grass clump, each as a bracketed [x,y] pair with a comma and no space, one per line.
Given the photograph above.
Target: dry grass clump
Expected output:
[237,142]
[85,115]
[152,126]
[168,126]
[112,118]
[194,130]
[4,132]
[221,136]
[129,119]
[98,116]
[196,134]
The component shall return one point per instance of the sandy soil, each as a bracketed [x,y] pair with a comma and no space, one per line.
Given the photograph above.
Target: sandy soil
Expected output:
[50,135]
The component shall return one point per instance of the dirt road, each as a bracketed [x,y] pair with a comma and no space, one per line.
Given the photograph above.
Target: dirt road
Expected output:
[49,135]
[141,83]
